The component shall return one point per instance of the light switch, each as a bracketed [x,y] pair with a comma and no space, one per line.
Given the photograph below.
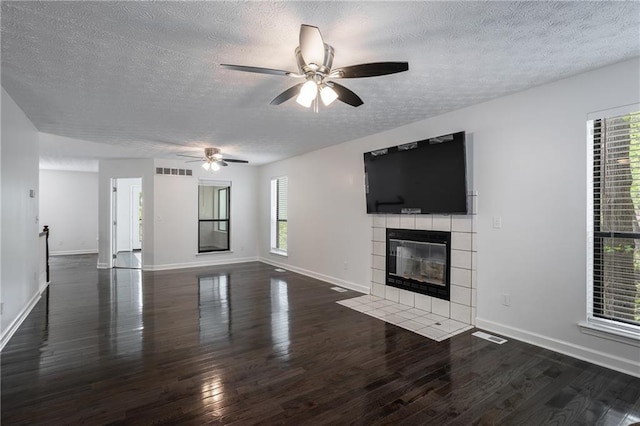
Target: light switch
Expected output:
[497,222]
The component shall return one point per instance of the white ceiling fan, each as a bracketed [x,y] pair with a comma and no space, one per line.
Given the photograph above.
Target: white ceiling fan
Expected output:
[212,159]
[315,59]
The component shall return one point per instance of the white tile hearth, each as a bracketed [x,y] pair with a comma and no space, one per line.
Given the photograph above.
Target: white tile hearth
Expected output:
[463,267]
[424,323]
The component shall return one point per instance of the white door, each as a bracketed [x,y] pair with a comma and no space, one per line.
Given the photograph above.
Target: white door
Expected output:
[136,217]
[126,244]
[114,222]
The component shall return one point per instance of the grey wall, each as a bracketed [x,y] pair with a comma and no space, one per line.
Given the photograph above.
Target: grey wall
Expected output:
[69,205]
[19,286]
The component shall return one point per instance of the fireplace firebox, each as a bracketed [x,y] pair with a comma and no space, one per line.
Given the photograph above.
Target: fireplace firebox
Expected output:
[419,261]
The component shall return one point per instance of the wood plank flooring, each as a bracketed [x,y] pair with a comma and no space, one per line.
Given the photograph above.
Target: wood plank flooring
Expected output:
[244,344]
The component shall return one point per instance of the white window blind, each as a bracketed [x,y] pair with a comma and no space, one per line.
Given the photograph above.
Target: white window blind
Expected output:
[283,201]
[282,212]
[616,203]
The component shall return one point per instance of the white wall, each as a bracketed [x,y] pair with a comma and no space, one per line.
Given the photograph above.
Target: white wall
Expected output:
[176,216]
[112,169]
[69,205]
[529,168]
[170,213]
[19,287]
[329,232]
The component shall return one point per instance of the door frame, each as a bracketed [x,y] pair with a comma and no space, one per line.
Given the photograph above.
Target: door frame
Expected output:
[114,217]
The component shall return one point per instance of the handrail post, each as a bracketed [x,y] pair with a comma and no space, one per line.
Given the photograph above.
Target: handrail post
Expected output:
[46,231]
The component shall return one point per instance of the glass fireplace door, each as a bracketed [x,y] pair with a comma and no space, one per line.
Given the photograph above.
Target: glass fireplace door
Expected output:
[419,261]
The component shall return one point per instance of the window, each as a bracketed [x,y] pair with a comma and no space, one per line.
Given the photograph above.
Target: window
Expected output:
[213,216]
[279,214]
[615,290]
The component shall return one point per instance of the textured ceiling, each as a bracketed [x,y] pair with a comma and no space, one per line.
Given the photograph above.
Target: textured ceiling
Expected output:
[146,75]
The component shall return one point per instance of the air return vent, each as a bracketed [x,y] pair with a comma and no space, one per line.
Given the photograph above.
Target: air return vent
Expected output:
[173,172]
[489,337]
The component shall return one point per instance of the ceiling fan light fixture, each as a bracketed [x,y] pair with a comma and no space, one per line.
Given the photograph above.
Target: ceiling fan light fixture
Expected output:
[213,159]
[308,93]
[314,58]
[328,95]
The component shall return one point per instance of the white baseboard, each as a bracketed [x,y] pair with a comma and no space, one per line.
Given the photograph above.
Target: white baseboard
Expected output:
[602,359]
[71,252]
[208,262]
[342,283]
[15,324]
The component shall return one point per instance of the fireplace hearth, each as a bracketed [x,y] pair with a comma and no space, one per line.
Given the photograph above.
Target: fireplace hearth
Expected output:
[419,261]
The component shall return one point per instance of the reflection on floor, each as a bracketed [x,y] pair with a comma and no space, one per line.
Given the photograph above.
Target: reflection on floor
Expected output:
[424,323]
[129,259]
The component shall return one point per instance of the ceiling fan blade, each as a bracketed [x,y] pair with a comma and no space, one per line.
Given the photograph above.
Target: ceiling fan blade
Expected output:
[195,161]
[372,69]
[260,70]
[221,163]
[287,94]
[347,96]
[190,156]
[311,45]
[229,160]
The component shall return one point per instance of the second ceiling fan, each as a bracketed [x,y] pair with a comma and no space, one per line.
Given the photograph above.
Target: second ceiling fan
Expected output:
[315,59]
[212,159]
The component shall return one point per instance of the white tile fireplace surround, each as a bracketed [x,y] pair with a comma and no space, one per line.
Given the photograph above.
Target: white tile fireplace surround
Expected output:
[462,306]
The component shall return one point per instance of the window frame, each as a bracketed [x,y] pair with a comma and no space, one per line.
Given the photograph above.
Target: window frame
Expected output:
[218,223]
[596,322]
[276,220]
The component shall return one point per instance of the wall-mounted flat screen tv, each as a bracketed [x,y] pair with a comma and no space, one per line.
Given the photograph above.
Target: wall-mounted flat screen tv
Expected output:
[422,177]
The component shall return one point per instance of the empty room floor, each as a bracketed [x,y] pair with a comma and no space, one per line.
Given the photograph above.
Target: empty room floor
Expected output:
[246,344]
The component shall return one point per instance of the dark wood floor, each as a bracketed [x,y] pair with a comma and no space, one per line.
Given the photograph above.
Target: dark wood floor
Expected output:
[244,344]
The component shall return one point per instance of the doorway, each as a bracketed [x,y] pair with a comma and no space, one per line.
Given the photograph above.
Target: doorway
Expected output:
[126,210]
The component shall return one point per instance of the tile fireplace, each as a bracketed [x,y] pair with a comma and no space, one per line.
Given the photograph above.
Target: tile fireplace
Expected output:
[459,275]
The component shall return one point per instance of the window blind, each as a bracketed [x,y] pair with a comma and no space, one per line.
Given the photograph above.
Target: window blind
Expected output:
[283,200]
[616,195]
[282,213]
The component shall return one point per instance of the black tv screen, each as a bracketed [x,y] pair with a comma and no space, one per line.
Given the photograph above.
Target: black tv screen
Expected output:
[423,177]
